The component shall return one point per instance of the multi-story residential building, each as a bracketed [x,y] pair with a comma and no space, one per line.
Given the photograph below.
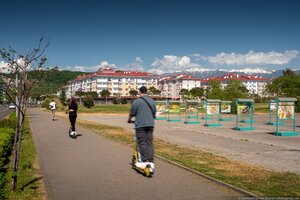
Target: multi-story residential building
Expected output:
[170,86]
[254,84]
[118,82]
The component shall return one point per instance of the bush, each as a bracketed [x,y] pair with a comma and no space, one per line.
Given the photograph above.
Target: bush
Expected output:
[115,101]
[123,101]
[6,140]
[59,105]
[88,102]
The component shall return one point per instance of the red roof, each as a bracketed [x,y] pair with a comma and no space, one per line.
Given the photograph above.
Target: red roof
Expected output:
[236,77]
[110,72]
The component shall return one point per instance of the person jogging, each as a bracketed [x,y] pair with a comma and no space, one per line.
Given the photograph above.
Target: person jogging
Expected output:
[144,110]
[52,107]
[72,110]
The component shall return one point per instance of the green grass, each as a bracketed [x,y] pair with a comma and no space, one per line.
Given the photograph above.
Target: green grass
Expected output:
[30,184]
[261,107]
[114,108]
[255,179]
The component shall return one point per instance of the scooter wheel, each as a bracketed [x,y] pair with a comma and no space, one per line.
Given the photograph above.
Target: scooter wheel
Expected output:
[132,162]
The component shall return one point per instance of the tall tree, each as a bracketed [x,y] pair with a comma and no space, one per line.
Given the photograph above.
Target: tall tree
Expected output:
[184,93]
[19,65]
[133,93]
[213,90]
[105,93]
[234,89]
[197,92]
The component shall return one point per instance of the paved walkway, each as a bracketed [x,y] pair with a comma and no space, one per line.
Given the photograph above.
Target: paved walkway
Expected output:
[92,167]
[258,147]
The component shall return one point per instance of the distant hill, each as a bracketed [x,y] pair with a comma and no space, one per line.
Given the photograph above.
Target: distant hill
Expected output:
[51,80]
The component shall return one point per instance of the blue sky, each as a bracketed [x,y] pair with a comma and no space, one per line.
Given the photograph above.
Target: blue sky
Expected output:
[157,36]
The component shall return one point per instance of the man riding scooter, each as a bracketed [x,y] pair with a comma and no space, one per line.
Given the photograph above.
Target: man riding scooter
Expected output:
[144,110]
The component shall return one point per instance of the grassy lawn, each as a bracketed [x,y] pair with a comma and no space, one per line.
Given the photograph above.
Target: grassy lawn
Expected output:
[30,185]
[124,108]
[261,107]
[257,180]
[113,108]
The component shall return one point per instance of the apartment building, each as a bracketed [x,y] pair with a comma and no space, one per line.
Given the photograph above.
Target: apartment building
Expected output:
[118,82]
[254,84]
[170,86]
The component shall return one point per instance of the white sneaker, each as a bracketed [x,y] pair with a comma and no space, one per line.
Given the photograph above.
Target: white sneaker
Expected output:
[141,165]
[73,133]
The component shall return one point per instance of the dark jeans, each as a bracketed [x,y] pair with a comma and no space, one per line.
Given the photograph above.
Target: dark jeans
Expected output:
[72,117]
[144,136]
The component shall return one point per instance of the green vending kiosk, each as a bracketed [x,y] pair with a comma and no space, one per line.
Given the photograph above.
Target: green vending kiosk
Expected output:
[192,112]
[245,108]
[161,110]
[225,111]
[174,109]
[212,118]
[272,114]
[286,111]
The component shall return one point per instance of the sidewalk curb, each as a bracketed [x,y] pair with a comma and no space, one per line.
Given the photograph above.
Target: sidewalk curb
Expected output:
[249,194]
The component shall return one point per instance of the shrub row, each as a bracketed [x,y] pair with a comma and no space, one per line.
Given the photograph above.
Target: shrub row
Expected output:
[6,140]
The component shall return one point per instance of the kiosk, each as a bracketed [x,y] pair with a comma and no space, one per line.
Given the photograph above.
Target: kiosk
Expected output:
[272,114]
[285,110]
[161,110]
[212,113]
[225,111]
[174,110]
[244,109]
[192,112]
[204,111]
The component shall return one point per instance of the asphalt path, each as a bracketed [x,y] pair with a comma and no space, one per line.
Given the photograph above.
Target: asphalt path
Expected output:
[4,112]
[92,167]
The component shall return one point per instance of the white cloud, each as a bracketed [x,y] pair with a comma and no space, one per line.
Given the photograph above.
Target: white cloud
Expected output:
[137,65]
[171,63]
[254,58]
[90,68]
[3,67]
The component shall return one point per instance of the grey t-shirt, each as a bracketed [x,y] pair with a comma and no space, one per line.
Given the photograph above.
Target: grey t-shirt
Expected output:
[142,113]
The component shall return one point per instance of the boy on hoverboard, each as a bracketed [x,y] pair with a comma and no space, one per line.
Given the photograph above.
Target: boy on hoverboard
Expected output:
[144,110]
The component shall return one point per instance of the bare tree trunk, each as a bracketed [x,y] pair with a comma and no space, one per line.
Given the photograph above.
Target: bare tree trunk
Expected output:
[18,136]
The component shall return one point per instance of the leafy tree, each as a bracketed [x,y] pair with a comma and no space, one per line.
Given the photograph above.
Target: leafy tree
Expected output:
[287,85]
[213,90]
[92,94]
[105,93]
[88,101]
[63,97]
[79,93]
[184,93]
[197,92]
[235,89]
[133,93]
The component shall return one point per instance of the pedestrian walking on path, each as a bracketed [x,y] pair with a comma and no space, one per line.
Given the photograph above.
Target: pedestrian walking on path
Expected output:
[52,107]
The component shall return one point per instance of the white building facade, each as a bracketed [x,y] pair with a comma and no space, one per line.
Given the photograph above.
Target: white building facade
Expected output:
[117,82]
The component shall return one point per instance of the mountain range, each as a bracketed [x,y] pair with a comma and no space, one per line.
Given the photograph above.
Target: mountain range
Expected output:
[221,72]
